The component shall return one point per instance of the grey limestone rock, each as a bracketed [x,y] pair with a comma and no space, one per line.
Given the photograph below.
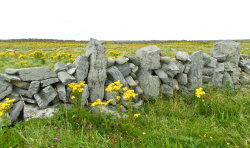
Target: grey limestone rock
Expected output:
[65,78]
[220,67]
[182,56]
[33,111]
[130,81]
[22,92]
[167,90]
[220,58]
[20,84]
[85,95]
[71,71]
[45,96]
[133,60]
[10,77]
[36,73]
[149,57]
[182,78]
[138,104]
[171,69]
[29,100]
[162,75]
[49,81]
[82,68]
[121,60]
[34,87]
[97,73]
[11,71]
[115,75]
[138,90]
[124,69]
[217,79]
[207,71]
[230,49]
[150,84]
[228,79]
[16,110]
[61,90]
[165,59]
[60,67]
[111,62]
[195,72]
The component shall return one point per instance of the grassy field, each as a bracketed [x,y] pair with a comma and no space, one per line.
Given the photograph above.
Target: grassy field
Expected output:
[222,120]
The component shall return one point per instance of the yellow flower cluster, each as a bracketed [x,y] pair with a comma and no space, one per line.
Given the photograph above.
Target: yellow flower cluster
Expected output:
[199,92]
[5,106]
[40,54]
[99,102]
[129,94]
[137,115]
[114,86]
[77,87]
[115,54]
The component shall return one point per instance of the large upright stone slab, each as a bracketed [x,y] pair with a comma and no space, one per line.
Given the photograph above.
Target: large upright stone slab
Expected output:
[82,68]
[97,73]
[150,84]
[149,57]
[195,72]
[230,49]
[36,73]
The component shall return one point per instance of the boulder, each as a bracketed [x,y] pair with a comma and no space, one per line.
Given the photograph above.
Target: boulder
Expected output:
[85,95]
[227,80]
[162,75]
[182,56]
[182,79]
[16,110]
[167,90]
[171,69]
[150,84]
[97,73]
[133,60]
[22,92]
[121,60]
[130,81]
[165,59]
[11,71]
[10,77]
[124,69]
[61,91]
[34,87]
[45,96]
[111,62]
[82,68]
[36,73]
[33,111]
[60,67]
[65,78]
[20,84]
[114,74]
[49,81]
[149,57]
[195,72]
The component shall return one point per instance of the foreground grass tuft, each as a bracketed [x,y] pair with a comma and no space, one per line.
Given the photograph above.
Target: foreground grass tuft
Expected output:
[221,120]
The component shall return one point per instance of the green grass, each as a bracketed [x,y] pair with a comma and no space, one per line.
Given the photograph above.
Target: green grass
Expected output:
[183,121]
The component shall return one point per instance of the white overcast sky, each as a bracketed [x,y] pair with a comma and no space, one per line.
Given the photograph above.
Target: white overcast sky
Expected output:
[125,19]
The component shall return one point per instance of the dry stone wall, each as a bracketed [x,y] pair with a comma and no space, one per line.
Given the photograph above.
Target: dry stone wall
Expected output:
[38,90]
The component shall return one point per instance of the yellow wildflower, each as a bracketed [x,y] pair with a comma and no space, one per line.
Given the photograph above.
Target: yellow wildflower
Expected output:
[73,97]
[137,115]
[130,94]
[199,92]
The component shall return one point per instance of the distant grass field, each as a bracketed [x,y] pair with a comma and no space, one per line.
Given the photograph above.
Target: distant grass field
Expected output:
[222,120]
[71,50]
